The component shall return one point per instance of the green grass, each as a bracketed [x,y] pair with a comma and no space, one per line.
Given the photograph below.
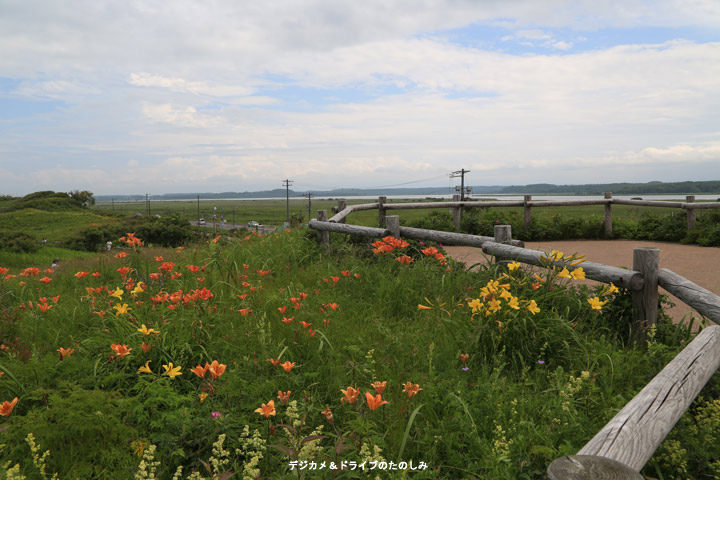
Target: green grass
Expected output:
[55,227]
[43,258]
[538,386]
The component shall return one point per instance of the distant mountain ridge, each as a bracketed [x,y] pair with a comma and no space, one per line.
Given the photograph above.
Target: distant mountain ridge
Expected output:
[624,188]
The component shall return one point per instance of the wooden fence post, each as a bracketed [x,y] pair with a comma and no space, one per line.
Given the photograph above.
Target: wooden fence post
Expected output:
[342,203]
[645,301]
[690,212]
[608,215]
[528,208]
[381,211]
[324,237]
[392,224]
[503,235]
[457,213]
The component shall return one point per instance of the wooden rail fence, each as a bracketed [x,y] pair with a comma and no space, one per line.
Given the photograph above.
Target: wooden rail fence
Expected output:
[623,447]
[690,207]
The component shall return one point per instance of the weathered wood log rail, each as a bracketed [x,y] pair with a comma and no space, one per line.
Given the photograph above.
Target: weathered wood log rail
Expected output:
[690,206]
[622,448]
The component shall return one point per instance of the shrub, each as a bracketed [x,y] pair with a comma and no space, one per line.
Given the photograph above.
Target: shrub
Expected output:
[19,242]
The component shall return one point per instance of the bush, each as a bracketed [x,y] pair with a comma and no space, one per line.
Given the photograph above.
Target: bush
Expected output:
[19,242]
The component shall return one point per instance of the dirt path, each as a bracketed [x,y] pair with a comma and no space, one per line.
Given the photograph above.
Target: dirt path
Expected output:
[698,264]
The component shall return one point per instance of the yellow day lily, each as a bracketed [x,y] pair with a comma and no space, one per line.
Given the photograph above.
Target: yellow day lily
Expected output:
[556,255]
[476,305]
[532,307]
[117,293]
[564,274]
[578,273]
[513,302]
[611,290]
[145,368]
[138,289]
[513,266]
[121,309]
[147,331]
[171,371]
[596,303]
[494,306]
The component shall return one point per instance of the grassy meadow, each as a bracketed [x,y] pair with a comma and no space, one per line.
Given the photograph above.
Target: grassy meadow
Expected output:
[269,357]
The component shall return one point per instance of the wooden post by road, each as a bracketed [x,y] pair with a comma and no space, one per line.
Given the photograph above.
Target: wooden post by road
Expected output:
[392,224]
[503,235]
[645,301]
[381,211]
[528,217]
[342,203]
[457,213]
[608,215]
[324,237]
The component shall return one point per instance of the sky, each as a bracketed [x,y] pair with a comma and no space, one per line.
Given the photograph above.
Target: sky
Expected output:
[145,96]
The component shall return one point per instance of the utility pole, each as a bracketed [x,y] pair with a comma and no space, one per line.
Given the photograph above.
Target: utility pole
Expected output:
[309,205]
[461,174]
[113,203]
[198,219]
[147,204]
[287,184]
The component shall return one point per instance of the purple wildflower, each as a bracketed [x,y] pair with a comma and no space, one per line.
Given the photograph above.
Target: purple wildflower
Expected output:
[215,414]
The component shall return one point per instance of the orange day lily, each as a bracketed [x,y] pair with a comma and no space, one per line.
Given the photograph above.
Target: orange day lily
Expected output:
[120,349]
[327,413]
[267,409]
[65,352]
[379,387]
[374,401]
[216,369]
[283,397]
[287,366]
[411,389]
[7,407]
[200,371]
[351,394]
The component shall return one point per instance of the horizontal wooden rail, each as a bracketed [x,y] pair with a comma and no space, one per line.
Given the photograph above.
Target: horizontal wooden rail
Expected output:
[349,209]
[630,439]
[450,238]
[355,230]
[599,272]
[701,300]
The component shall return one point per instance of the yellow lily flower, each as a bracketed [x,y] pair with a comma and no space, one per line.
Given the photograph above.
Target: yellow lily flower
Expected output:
[145,368]
[138,289]
[147,331]
[476,305]
[564,274]
[513,266]
[121,309]
[556,255]
[596,303]
[513,302]
[532,307]
[171,371]
[611,290]
[117,293]
[578,273]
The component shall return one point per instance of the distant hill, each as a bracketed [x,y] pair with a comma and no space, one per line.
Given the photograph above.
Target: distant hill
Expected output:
[625,188]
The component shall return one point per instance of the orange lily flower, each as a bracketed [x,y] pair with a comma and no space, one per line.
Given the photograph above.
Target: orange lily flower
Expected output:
[379,387]
[274,361]
[287,320]
[145,347]
[216,369]
[200,371]
[411,389]
[283,397]
[351,395]
[327,413]
[244,311]
[65,352]
[46,280]
[374,401]
[7,407]
[120,349]
[287,366]
[267,409]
